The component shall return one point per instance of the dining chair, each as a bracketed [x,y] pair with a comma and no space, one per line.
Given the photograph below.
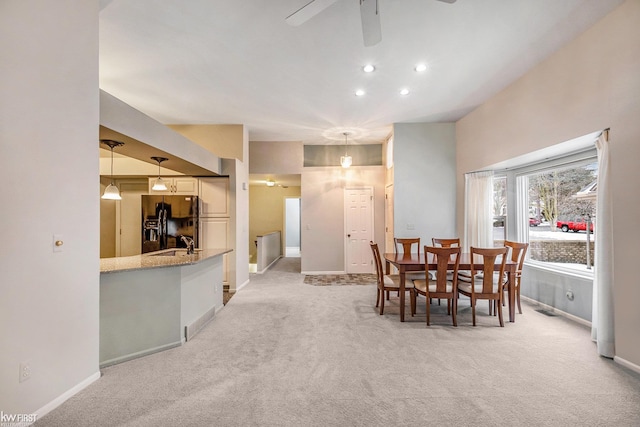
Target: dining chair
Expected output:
[485,284]
[385,282]
[446,243]
[518,252]
[406,245]
[444,285]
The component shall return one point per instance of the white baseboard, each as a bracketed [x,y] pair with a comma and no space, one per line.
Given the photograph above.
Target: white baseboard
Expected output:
[242,285]
[269,266]
[142,353]
[66,395]
[557,311]
[626,364]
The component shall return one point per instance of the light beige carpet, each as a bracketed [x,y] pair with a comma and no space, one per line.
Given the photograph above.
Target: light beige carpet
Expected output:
[282,353]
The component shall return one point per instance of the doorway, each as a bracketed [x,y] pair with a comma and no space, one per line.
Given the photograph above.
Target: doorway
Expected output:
[292,240]
[358,226]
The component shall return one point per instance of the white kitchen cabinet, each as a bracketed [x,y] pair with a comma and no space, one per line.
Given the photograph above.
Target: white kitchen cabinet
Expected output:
[214,234]
[214,197]
[178,185]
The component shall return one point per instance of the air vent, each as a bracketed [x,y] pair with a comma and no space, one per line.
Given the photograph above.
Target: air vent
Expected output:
[547,313]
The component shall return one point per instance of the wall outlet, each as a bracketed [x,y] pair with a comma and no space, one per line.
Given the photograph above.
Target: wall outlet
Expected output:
[25,371]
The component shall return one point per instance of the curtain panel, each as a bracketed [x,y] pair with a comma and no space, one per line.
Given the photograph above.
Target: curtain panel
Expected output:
[478,210]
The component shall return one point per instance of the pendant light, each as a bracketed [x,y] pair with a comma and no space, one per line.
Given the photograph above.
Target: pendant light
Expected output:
[346,160]
[111,192]
[159,185]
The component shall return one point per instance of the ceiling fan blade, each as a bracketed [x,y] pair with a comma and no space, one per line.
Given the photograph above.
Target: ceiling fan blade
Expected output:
[308,11]
[370,15]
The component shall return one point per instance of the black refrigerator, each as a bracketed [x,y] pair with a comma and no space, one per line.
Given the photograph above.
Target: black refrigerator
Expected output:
[165,219]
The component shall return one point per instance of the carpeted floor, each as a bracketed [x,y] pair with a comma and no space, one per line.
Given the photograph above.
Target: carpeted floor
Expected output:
[282,353]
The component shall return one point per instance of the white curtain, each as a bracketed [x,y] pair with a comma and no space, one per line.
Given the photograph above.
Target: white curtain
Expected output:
[478,210]
[602,324]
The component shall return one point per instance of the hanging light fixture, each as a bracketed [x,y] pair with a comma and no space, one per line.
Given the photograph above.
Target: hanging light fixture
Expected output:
[159,185]
[346,160]
[111,192]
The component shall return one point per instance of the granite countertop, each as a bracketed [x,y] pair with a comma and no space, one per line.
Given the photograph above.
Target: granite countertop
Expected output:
[157,260]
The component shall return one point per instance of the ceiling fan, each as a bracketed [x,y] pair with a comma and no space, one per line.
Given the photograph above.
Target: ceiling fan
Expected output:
[369,13]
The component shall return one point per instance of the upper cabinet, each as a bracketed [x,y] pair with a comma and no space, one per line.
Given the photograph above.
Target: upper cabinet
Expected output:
[214,196]
[180,186]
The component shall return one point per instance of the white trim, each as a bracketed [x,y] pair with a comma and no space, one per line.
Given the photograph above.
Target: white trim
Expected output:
[66,395]
[619,360]
[246,282]
[267,267]
[142,353]
[554,268]
[557,311]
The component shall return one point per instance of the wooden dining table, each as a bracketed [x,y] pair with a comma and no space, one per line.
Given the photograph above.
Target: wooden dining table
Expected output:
[405,262]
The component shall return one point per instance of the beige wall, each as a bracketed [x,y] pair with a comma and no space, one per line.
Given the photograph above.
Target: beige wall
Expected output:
[590,84]
[49,118]
[276,157]
[224,141]
[266,212]
[322,213]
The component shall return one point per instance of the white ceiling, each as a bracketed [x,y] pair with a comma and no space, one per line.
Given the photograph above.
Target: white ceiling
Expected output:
[239,62]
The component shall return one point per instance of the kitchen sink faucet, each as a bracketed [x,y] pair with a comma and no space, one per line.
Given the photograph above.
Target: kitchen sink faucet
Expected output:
[190,244]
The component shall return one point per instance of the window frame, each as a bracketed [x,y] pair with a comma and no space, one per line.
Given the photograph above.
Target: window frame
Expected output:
[517,225]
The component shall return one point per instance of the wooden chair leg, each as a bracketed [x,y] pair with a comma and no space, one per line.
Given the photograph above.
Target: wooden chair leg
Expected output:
[518,299]
[412,293]
[473,310]
[500,314]
[448,306]
[382,302]
[378,292]
[428,312]
[455,309]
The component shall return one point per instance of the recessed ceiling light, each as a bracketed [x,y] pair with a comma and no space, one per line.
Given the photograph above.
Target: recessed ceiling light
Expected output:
[360,92]
[368,68]
[421,67]
[404,91]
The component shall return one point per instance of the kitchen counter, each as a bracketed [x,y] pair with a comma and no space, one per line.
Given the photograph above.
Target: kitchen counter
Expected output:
[157,260]
[156,301]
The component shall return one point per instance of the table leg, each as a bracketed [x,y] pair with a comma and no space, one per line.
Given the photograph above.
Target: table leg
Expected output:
[512,296]
[402,278]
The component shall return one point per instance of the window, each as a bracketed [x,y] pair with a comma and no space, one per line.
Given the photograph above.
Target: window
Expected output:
[561,210]
[499,210]
[550,204]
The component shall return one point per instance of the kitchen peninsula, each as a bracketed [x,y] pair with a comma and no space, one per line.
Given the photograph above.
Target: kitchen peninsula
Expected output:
[156,301]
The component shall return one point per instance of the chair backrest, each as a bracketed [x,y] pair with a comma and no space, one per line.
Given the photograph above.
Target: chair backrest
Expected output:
[446,243]
[406,244]
[377,261]
[518,252]
[442,258]
[490,257]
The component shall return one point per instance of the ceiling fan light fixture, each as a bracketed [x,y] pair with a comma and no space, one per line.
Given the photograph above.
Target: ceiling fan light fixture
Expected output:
[404,91]
[421,67]
[368,68]
[360,92]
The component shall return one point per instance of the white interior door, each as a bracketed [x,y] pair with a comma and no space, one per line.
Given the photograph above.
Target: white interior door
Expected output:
[358,204]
